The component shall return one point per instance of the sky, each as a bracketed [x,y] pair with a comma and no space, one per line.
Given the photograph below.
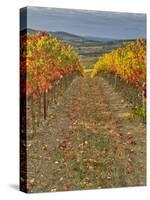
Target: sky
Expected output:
[115,25]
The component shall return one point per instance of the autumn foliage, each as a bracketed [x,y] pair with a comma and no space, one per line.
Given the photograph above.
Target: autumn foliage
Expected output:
[129,63]
[44,59]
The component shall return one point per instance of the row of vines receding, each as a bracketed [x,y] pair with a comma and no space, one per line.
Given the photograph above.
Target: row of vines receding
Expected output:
[128,64]
[45,62]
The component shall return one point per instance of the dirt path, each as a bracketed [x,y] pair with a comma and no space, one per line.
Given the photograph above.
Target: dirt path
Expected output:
[87,142]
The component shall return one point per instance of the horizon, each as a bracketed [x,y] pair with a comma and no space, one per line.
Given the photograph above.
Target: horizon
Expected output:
[84,36]
[101,24]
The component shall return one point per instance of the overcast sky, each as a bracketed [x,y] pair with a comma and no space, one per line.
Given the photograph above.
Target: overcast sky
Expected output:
[87,23]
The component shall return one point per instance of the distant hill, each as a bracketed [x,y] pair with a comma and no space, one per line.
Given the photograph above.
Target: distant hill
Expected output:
[71,37]
[67,36]
[59,34]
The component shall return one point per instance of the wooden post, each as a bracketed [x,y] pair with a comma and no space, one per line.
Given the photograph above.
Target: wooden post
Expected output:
[39,110]
[45,114]
[48,99]
[33,116]
[144,100]
[115,80]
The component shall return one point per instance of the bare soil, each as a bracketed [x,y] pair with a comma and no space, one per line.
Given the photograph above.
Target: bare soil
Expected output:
[87,141]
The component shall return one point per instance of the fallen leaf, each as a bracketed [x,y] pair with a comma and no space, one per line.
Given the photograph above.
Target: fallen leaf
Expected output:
[53,190]
[86,142]
[133,142]
[32,180]
[81,146]
[44,147]
[48,158]
[61,179]
[66,187]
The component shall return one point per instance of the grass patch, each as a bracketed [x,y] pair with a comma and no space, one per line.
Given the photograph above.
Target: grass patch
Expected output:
[138,112]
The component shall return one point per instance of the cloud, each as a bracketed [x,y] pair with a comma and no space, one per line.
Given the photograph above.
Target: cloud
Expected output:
[95,23]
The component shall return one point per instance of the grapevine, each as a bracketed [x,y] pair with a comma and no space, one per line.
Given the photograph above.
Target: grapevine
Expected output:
[129,63]
[44,60]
